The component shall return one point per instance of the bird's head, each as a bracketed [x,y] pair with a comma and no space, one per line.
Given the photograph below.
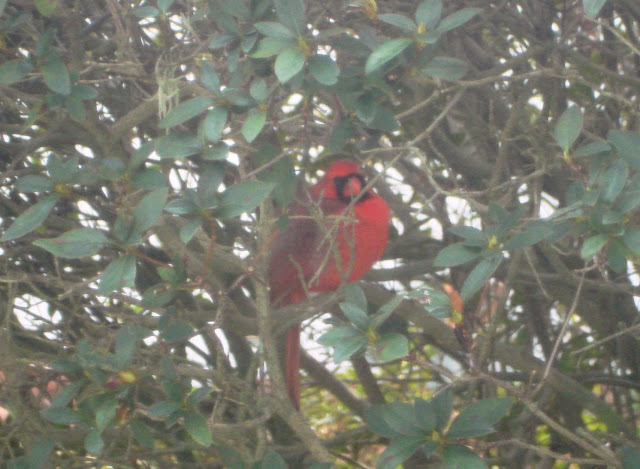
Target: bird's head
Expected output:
[344,180]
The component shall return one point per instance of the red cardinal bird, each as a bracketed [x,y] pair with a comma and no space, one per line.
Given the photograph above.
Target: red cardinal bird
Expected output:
[354,225]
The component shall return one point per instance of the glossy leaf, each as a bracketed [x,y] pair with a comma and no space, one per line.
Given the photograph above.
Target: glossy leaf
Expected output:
[443,406]
[391,346]
[289,63]
[272,460]
[259,90]
[125,345]
[593,245]
[446,68]
[185,111]
[55,74]
[291,14]
[592,8]
[93,442]
[455,254]
[270,46]
[31,219]
[149,209]
[324,69]
[428,13]
[354,295]
[374,416]
[33,183]
[14,70]
[243,197]
[457,19]
[568,127]
[457,456]
[631,239]
[142,433]
[355,315]
[39,454]
[425,414]
[119,273]
[274,29]
[74,244]
[399,21]
[398,451]
[479,275]
[162,409]
[177,146]
[592,148]
[253,125]
[613,180]
[385,53]
[197,428]
[478,418]
[533,235]
[626,144]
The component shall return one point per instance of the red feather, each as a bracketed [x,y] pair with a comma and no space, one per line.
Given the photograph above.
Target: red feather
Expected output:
[303,255]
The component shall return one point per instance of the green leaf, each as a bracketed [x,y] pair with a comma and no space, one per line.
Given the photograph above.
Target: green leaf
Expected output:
[39,454]
[593,245]
[62,416]
[239,9]
[197,428]
[592,8]
[345,340]
[272,460]
[428,13]
[401,418]
[163,409]
[46,7]
[149,210]
[442,404]
[457,456]
[391,346]
[339,137]
[425,415]
[473,237]
[366,107]
[593,148]
[125,345]
[93,442]
[355,315]
[164,5]
[177,146]
[217,151]
[478,418]
[613,180]
[197,395]
[568,127]
[457,19]
[445,68]
[631,239]
[221,40]
[119,273]
[291,14]
[106,412]
[142,433]
[479,275]
[63,397]
[289,63]
[259,90]
[627,144]
[385,311]
[14,70]
[253,125]
[74,244]
[399,21]
[455,254]
[354,295]
[533,235]
[374,417]
[31,219]
[629,457]
[33,183]
[616,256]
[324,69]
[399,450]
[243,197]
[270,46]
[177,331]
[146,12]
[385,53]
[214,123]
[274,29]
[55,74]
[185,111]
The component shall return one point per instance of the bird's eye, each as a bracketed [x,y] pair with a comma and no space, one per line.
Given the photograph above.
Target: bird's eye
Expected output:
[350,186]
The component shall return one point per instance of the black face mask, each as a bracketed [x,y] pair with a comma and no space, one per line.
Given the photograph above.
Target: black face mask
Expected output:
[342,182]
